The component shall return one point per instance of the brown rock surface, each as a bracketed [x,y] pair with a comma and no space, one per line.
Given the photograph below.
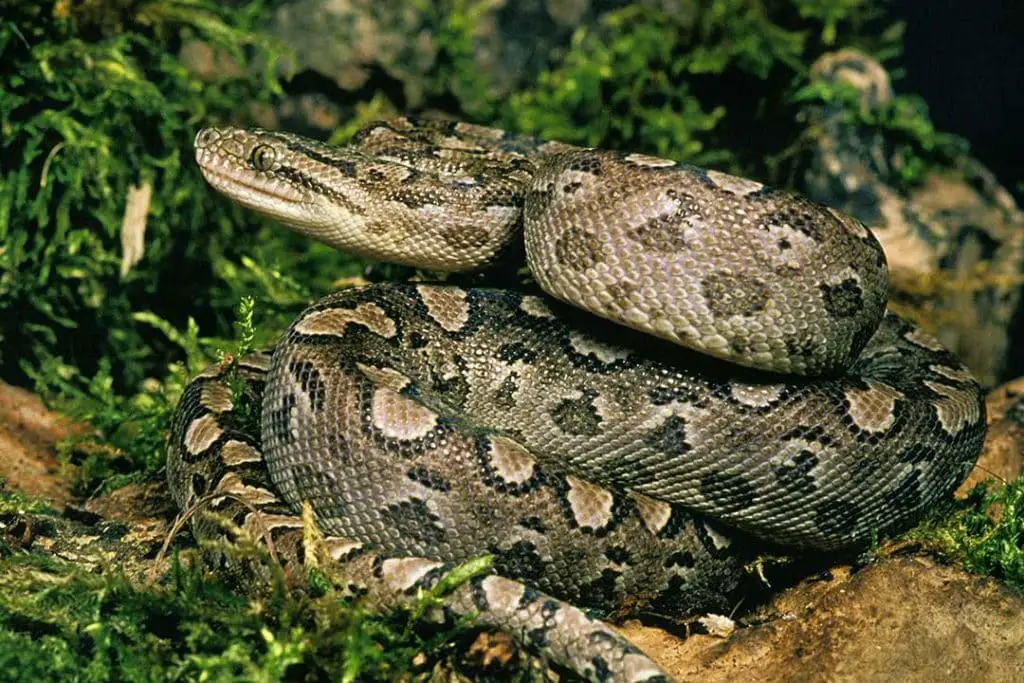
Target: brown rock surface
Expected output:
[904,619]
[28,437]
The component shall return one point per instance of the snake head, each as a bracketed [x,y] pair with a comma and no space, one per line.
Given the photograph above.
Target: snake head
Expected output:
[292,179]
[406,206]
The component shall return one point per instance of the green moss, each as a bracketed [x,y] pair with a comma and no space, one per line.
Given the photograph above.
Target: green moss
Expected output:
[94,101]
[904,123]
[128,440]
[984,534]
[62,622]
[688,81]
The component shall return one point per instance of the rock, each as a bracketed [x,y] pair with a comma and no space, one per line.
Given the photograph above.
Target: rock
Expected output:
[395,46]
[954,240]
[94,544]
[904,619]
[126,527]
[28,437]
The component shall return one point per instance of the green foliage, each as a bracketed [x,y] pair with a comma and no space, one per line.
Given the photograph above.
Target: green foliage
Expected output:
[456,23]
[246,326]
[652,76]
[128,438]
[833,13]
[94,101]
[629,87]
[60,621]
[655,78]
[985,535]
[903,123]
[128,442]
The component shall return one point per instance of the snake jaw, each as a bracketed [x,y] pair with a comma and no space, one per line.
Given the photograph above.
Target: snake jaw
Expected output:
[303,212]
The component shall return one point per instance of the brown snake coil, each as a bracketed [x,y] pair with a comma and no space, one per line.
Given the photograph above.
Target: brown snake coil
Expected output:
[428,424]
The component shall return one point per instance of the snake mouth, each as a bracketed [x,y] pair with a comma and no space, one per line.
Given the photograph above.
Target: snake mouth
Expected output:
[271,197]
[249,186]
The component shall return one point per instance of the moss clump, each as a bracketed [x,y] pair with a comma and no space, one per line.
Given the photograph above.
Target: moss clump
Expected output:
[64,621]
[128,440]
[59,622]
[915,146]
[984,534]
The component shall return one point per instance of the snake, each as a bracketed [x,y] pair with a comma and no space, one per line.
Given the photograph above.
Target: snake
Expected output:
[702,367]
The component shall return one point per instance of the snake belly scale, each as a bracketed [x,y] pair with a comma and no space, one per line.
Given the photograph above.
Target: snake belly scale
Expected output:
[600,464]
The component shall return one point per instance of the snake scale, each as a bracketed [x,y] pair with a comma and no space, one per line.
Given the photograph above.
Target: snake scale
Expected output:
[755,391]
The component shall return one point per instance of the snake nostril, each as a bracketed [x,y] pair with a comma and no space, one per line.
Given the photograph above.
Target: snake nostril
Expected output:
[205,137]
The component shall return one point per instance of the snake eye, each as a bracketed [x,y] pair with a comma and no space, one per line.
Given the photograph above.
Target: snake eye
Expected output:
[263,157]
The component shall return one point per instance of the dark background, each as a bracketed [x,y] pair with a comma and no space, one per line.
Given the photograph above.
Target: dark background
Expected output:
[966,58]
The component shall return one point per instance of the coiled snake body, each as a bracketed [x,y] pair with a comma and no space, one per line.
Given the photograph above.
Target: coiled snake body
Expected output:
[600,465]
